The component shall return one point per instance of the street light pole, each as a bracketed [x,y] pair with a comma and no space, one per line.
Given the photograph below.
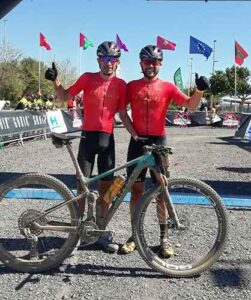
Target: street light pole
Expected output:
[214,61]
[190,77]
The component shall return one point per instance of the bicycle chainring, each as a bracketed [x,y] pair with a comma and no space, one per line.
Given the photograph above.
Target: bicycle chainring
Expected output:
[86,233]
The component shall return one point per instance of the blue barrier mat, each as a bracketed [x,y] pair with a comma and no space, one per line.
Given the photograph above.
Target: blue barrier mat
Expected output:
[236,201]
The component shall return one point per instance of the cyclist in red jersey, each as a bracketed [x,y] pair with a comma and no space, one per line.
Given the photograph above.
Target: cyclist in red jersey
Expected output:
[104,95]
[149,98]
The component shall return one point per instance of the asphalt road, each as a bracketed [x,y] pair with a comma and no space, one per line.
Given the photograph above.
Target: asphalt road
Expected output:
[212,155]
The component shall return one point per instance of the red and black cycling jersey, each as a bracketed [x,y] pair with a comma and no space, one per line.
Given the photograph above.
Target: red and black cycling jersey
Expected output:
[149,103]
[102,99]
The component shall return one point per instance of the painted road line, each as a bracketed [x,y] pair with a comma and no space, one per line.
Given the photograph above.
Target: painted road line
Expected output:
[192,199]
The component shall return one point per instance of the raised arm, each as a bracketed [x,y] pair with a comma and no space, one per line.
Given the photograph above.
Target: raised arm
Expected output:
[202,84]
[52,74]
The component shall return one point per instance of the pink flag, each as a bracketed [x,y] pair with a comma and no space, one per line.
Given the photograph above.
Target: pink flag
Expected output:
[81,40]
[43,42]
[120,44]
[165,44]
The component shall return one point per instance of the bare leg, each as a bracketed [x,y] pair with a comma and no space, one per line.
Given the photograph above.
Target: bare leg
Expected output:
[162,215]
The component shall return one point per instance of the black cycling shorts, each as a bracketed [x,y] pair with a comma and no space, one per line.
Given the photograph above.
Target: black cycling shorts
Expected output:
[100,144]
[136,150]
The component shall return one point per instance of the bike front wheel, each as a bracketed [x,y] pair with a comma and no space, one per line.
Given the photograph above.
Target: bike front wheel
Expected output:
[24,247]
[200,240]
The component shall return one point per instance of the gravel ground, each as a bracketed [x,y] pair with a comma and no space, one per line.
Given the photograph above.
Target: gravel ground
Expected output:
[212,155]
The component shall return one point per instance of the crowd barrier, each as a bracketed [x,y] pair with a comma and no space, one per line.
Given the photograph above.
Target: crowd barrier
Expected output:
[19,125]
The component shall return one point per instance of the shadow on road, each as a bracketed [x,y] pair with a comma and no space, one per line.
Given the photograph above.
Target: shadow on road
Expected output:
[232,277]
[221,277]
[226,188]
[245,145]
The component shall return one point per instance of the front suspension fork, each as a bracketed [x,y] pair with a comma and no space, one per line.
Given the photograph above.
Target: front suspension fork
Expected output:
[169,203]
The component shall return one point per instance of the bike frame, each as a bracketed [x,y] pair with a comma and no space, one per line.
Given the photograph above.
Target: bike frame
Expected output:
[145,161]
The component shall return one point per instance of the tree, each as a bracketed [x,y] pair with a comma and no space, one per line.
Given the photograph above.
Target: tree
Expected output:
[243,88]
[30,77]
[219,84]
[219,87]
[11,85]
[67,73]
[20,75]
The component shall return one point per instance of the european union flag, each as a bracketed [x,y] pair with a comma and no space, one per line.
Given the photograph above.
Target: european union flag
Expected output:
[198,47]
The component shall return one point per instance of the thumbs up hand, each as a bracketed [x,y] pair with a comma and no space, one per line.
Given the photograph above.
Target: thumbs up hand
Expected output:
[201,82]
[51,73]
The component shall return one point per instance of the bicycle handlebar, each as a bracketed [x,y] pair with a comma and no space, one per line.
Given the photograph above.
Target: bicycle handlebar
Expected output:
[151,147]
[161,149]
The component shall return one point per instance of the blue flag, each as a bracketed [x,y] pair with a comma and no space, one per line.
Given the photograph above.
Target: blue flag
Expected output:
[198,47]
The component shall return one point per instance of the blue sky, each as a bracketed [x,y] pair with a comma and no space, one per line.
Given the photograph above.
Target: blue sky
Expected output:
[138,22]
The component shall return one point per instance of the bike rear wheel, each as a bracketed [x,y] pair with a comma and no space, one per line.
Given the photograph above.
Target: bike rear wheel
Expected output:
[21,201]
[198,244]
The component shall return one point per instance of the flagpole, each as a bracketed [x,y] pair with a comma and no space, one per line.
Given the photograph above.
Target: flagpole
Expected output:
[53,57]
[39,71]
[190,77]
[4,38]
[235,86]
[80,61]
[214,61]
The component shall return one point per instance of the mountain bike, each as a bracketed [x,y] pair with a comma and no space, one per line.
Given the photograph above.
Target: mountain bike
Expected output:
[41,224]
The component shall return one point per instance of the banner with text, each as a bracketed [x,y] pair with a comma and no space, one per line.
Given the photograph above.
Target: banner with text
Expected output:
[14,122]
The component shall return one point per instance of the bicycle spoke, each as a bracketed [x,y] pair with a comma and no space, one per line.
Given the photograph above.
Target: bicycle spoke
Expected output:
[199,241]
[24,246]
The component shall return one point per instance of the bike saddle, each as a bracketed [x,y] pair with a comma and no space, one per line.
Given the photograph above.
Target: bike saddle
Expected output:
[65,137]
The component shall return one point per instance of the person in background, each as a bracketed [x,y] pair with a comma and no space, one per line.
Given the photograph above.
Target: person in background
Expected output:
[40,101]
[49,103]
[22,103]
[71,103]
